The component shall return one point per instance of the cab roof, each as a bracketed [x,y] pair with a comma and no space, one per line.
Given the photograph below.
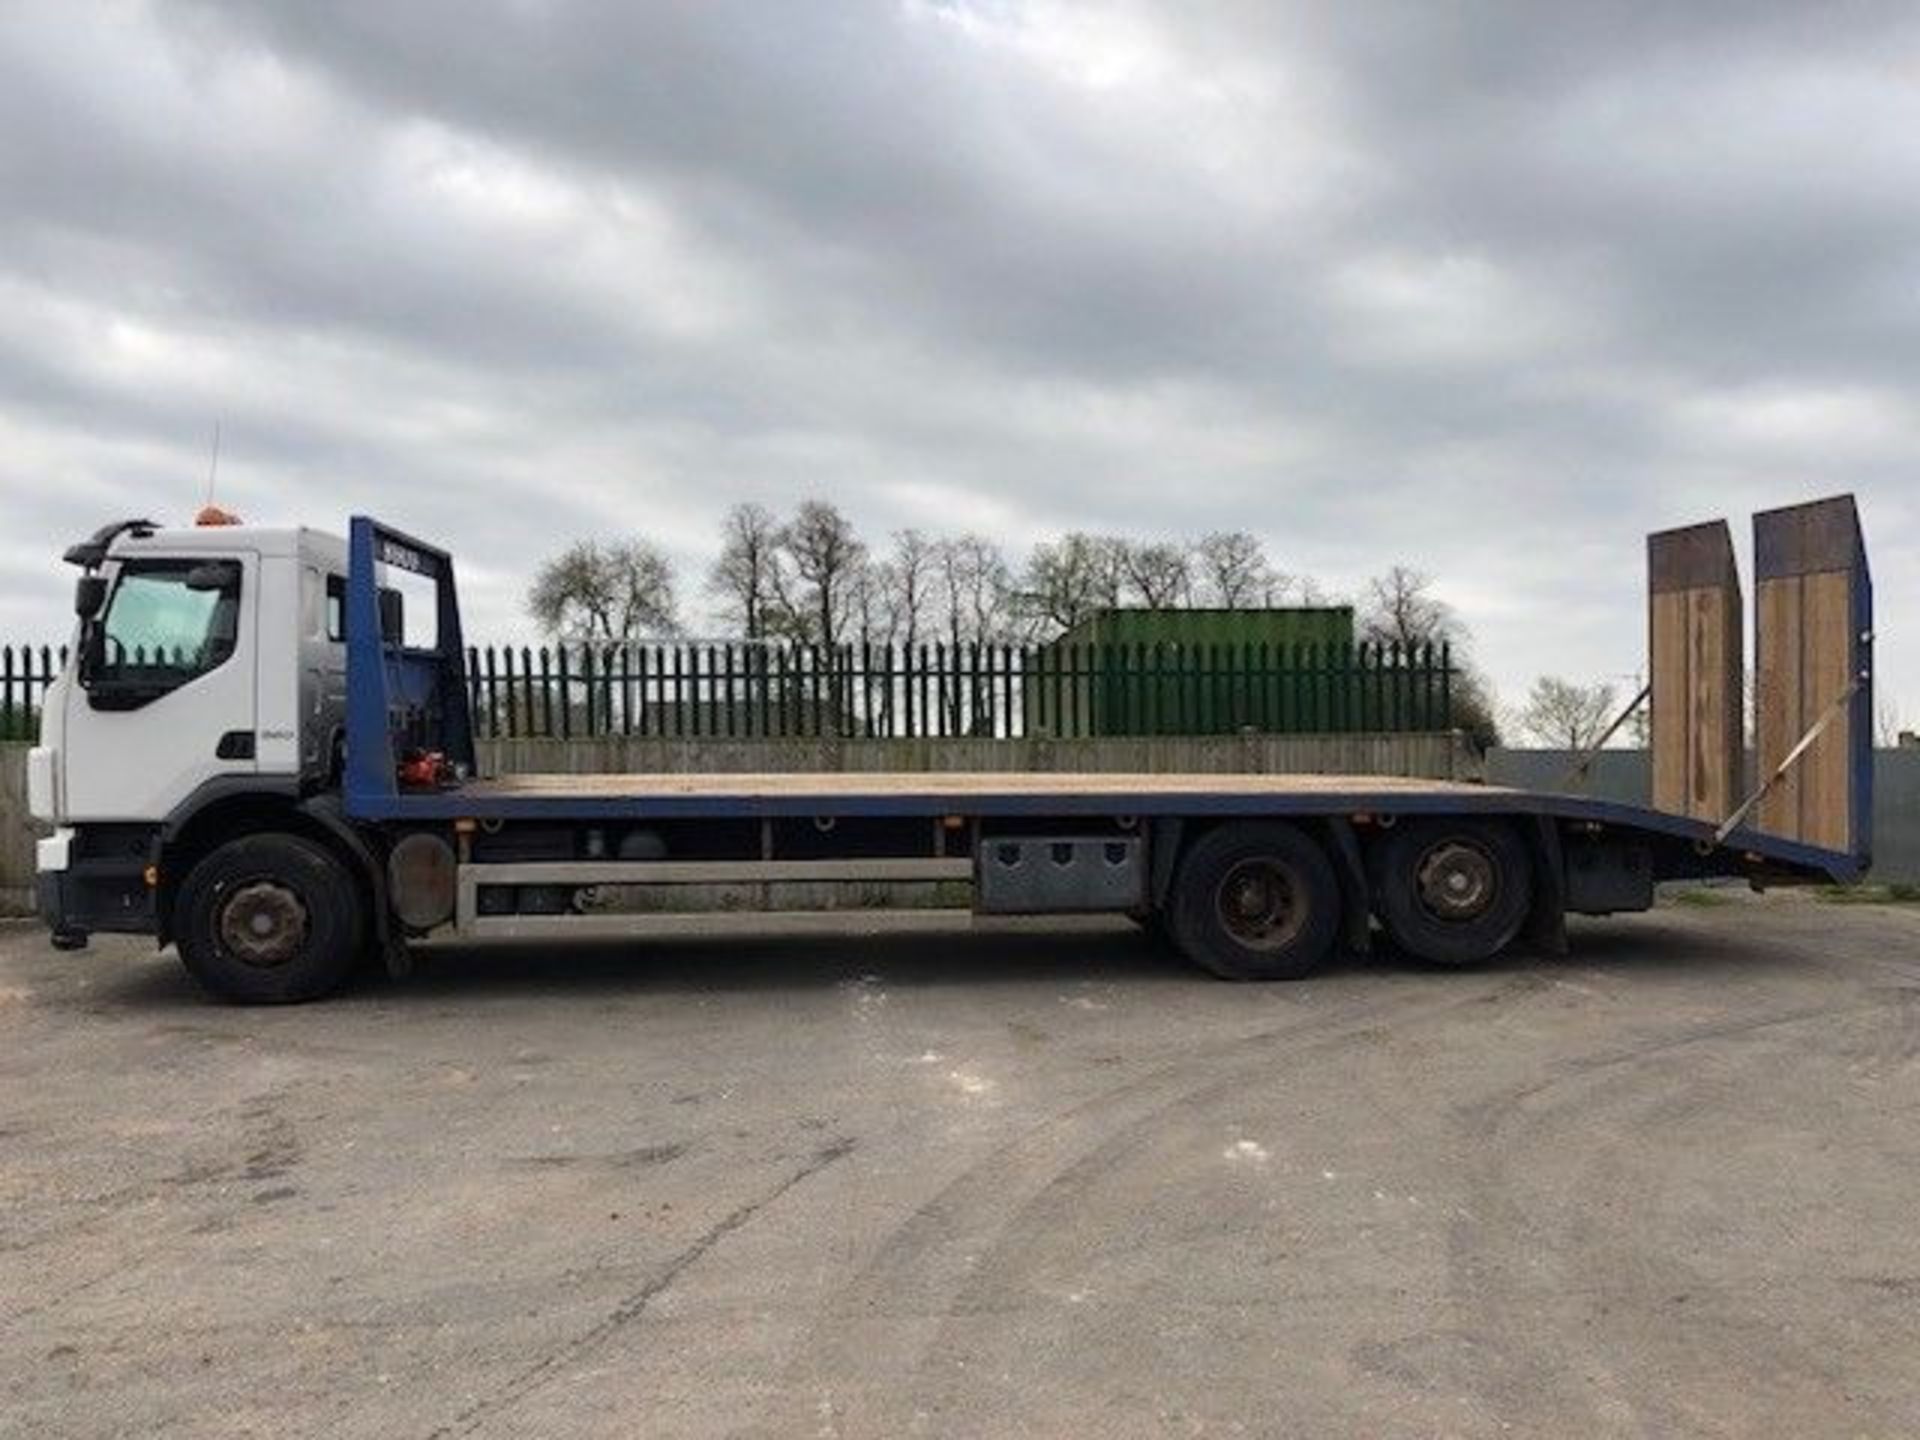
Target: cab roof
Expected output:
[131,539]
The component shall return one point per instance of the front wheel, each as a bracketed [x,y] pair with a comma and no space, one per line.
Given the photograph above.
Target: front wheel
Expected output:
[269,919]
[1255,902]
[1454,892]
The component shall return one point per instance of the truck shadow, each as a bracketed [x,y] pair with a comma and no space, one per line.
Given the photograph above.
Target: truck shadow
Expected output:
[766,962]
[1119,954]
[1099,954]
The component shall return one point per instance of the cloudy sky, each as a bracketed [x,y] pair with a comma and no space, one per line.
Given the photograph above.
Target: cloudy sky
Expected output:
[1491,290]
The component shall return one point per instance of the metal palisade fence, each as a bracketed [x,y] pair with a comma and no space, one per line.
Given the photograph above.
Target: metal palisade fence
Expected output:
[27,670]
[744,690]
[25,673]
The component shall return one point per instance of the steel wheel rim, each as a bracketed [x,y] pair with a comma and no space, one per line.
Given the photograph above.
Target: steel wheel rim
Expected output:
[1261,903]
[263,923]
[1456,880]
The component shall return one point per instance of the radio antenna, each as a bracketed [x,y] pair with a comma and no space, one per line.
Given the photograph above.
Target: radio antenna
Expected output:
[213,465]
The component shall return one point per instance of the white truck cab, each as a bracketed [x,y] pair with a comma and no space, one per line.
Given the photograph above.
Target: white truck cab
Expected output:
[208,661]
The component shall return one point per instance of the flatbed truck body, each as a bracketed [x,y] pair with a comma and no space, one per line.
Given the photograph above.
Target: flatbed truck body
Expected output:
[370,828]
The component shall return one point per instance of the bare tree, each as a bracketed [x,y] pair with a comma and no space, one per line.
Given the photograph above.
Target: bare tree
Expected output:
[1401,609]
[1566,715]
[620,590]
[874,608]
[745,577]
[1070,578]
[1886,723]
[1234,572]
[823,558]
[1157,572]
[910,578]
[1308,591]
[974,589]
[1472,711]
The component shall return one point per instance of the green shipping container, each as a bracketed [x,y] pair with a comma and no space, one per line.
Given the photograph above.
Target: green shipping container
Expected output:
[1282,625]
[1195,672]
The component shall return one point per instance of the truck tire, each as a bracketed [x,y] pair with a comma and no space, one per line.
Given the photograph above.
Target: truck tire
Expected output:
[1255,901]
[1454,892]
[269,919]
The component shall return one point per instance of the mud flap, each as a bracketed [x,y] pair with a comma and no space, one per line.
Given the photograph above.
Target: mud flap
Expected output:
[1356,916]
[1163,855]
[1546,926]
[324,810]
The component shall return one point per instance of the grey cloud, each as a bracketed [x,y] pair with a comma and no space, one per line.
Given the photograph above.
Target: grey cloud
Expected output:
[1491,289]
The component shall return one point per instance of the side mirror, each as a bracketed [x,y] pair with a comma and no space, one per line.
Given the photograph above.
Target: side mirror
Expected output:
[393,617]
[93,653]
[89,594]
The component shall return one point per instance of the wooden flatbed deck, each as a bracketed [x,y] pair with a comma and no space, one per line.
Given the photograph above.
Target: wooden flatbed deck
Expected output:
[986,795]
[1062,795]
[1030,794]
[854,785]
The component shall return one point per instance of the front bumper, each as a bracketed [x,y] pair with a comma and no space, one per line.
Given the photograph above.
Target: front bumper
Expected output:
[48,900]
[77,894]
[50,856]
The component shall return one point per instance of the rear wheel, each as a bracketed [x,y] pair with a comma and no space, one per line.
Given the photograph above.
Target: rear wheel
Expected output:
[269,919]
[1255,902]
[1455,892]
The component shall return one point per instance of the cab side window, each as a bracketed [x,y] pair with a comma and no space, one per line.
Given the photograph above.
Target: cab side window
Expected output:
[167,622]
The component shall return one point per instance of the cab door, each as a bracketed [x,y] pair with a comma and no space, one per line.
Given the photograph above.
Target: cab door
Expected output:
[166,692]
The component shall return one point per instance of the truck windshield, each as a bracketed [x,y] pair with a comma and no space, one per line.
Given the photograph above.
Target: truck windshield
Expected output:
[167,622]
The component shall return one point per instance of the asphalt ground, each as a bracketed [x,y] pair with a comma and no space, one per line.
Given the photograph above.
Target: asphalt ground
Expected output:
[1042,1181]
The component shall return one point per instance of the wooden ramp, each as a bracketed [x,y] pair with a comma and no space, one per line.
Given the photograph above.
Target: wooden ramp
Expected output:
[1696,671]
[1813,623]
